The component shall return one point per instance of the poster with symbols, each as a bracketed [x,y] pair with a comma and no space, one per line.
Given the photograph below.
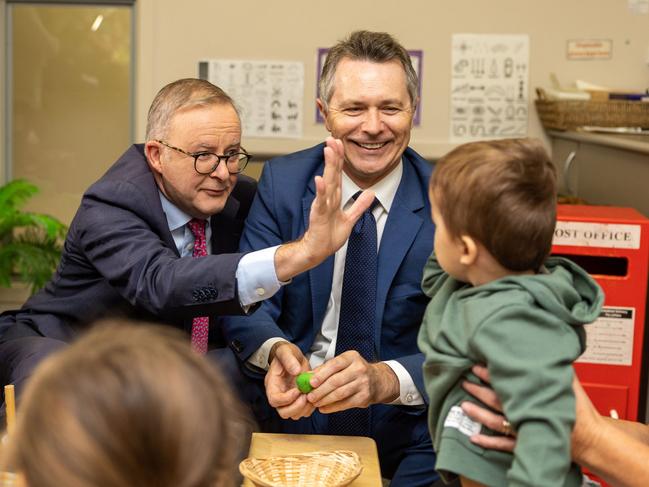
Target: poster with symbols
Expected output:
[269,94]
[489,86]
[609,339]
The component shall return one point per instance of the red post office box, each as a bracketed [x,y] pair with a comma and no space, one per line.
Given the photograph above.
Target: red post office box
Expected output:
[612,245]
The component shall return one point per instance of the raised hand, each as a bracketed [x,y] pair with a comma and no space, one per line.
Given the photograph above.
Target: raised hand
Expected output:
[329,225]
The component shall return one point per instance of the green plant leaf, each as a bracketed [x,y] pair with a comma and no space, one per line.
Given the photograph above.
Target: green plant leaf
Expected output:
[52,227]
[30,243]
[15,194]
[33,261]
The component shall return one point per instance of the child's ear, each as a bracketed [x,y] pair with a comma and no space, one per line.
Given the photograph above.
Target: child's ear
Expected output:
[469,250]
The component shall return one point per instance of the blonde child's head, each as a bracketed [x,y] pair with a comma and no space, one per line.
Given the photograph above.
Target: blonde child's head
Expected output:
[501,194]
[127,404]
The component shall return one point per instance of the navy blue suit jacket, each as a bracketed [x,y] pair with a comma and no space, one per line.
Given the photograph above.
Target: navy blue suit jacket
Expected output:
[120,259]
[280,213]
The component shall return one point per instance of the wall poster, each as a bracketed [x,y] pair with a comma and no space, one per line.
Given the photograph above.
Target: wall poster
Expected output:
[268,94]
[489,86]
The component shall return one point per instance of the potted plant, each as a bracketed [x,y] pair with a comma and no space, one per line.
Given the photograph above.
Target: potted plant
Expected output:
[30,243]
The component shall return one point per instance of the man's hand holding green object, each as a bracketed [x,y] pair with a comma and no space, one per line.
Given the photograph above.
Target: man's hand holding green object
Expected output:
[303,382]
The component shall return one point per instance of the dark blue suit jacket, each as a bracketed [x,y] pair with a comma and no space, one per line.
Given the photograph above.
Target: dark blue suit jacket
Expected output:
[120,259]
[280,213]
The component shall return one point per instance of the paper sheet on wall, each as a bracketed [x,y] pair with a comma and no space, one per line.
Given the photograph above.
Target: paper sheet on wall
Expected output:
[489,86]
[639,7]
[268,94]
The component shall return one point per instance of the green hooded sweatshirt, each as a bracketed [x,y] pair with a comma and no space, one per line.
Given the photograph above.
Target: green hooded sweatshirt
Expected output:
[528,330]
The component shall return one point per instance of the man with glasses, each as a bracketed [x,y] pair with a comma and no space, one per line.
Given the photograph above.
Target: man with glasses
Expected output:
[156,237]
[354,319]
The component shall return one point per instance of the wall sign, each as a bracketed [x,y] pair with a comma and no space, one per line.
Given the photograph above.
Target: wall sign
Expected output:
[268,94]
[589,49]
[489,86]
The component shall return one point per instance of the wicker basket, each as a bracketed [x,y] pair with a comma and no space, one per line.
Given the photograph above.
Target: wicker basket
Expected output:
[8,479]
[570,114]
[316,469]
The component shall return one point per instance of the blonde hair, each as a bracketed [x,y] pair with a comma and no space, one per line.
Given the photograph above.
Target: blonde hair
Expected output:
[128,405]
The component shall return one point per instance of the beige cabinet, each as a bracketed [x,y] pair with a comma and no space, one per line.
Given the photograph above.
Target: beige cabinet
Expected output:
[603,169]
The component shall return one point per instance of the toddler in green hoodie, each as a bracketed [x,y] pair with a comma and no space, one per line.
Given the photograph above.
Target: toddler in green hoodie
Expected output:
[498,299]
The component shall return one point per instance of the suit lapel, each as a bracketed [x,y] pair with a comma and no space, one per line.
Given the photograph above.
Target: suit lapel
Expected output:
[400,231]
[162,227]
[158,219]
[320,277]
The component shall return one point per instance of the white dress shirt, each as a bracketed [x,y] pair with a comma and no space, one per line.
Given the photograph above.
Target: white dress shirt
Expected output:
[324,345]
[256,276]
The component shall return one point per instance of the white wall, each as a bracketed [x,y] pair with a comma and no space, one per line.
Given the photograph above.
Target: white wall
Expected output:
[173,35]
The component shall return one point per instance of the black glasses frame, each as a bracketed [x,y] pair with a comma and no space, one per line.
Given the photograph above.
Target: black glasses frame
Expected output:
[244,158]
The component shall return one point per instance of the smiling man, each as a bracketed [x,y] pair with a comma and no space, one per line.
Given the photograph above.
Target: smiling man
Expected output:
[156,237]
[354,319]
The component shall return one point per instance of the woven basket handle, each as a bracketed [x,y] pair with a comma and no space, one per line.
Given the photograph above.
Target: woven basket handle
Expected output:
[540,94]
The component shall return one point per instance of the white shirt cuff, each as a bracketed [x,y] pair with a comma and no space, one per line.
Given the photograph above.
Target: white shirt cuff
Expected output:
[256,276]
[408,394]
[260,357]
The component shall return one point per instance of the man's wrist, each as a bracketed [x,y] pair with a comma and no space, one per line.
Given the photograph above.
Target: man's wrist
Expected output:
[273,350]
[409,394]
[387,390]
[259,359]
[293,258]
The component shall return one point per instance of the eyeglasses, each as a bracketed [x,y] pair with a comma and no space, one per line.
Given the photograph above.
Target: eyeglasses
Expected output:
[207,162]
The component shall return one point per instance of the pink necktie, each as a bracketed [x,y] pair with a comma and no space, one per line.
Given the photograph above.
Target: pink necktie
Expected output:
[201,324]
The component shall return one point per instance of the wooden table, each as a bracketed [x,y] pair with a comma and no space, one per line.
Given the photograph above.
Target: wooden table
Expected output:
[270,444]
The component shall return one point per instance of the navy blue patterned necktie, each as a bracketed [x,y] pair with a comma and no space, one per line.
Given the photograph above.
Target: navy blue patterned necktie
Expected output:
[356,325]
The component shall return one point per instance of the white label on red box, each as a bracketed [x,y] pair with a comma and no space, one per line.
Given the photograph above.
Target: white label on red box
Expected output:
[605,235]
[609,339]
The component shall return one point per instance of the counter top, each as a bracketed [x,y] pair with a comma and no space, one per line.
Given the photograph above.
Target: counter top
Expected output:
[632,142]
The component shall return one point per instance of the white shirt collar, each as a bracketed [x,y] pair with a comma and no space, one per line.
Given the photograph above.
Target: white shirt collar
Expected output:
[384,190]
[176,218]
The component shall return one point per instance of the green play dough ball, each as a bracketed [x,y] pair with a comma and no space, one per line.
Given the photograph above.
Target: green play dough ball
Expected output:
[302,382]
